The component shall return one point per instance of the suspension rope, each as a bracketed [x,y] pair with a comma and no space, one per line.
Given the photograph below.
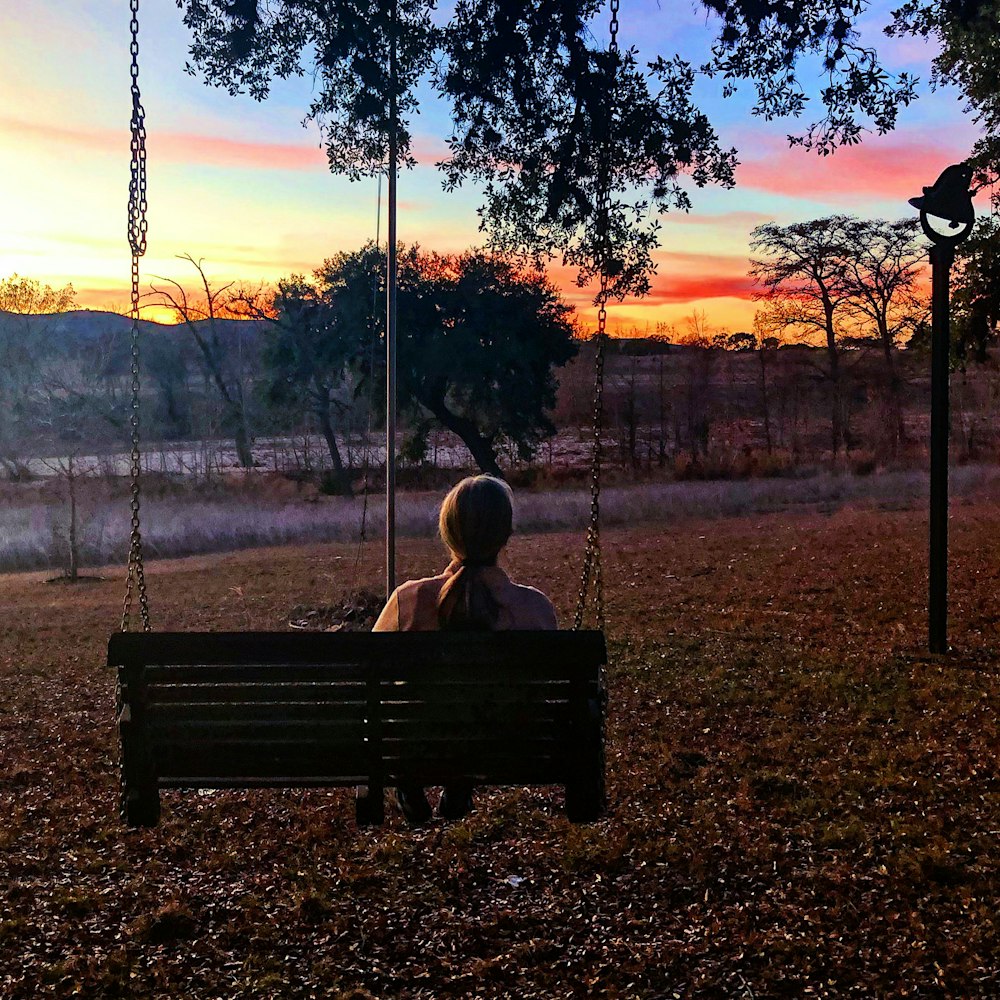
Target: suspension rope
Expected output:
[137,229]
[373,340]
[592,568]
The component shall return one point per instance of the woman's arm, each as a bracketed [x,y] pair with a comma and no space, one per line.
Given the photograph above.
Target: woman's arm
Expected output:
[388,621]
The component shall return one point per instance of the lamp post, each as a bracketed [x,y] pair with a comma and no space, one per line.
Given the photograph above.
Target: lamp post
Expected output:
[949,199]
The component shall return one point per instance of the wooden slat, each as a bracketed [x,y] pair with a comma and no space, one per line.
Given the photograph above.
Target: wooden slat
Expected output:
[462,689]
[163,713]
[421,746]
[463,672]
[256,672]
[429,714]
[488,671]
[306,731]
[255,781]
[575,650]
[258,693]
[473,727]
[431,708]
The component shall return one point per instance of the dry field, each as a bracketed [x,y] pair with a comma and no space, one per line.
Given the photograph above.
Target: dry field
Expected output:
[801,804]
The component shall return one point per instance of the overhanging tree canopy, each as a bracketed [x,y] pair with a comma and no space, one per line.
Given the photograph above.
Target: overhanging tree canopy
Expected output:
[543,115]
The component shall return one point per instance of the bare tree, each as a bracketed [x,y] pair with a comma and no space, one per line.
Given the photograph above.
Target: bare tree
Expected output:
[203,319]
[704,346]
[73,416]
[883,263]
[25,308]
[763,343]
[802,276]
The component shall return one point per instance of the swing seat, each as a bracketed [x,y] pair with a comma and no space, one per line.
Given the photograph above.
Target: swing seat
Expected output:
[306,709]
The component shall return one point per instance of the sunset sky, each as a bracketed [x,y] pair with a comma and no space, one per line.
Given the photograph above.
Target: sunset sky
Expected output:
[245,187]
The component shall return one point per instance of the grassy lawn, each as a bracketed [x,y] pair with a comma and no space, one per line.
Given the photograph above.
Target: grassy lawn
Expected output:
[801,804]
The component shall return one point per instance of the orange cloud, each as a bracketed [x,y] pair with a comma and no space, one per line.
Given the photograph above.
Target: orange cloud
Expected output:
[681,278]
[692,288]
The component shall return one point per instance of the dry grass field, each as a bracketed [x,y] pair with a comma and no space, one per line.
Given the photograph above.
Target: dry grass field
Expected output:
[802,805]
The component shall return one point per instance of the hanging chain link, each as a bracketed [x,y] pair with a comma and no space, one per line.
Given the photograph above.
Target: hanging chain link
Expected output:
[137,229]
[592,568]
[613,43]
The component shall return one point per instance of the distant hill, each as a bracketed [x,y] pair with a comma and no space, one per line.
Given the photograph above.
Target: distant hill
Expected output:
[84,329]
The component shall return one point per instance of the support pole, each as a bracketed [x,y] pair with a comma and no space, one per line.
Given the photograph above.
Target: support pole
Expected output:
[390,328]
[942,258]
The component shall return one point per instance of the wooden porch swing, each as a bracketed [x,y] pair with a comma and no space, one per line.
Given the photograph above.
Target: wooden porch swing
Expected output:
[294,709]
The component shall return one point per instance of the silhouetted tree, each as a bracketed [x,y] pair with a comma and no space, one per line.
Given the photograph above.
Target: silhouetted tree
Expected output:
[801,272]
[203,318]
[478,341]
[969,59]
[763,343]
[24,344]
[883,263]
[976,291]
[310,345]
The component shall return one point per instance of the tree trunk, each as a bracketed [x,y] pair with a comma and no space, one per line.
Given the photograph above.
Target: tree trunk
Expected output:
[836,421]
[73,571]
[235,415]
[481,448]
[661,457]
[764,401]
[241,437]
[895,389]
[340,474]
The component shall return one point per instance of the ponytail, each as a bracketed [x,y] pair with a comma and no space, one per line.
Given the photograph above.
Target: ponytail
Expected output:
[475,522]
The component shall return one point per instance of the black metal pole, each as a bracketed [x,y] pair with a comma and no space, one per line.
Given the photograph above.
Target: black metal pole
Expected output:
[390,328]
[942,258]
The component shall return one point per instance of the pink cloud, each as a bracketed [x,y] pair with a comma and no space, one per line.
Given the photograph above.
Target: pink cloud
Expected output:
[190,147]
[890,168]
[193,148]
[740,219]
[725,263]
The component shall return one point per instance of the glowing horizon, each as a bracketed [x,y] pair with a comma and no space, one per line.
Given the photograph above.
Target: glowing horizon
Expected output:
[244,187]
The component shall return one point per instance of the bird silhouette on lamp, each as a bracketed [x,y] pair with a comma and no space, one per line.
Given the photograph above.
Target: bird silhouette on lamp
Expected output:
[949,198]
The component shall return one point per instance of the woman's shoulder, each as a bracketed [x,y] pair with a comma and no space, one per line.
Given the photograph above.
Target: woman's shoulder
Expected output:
[416,602]
[534,607]
[412,587]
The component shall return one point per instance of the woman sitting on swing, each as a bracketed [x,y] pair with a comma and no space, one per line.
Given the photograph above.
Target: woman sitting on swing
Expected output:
[472,594]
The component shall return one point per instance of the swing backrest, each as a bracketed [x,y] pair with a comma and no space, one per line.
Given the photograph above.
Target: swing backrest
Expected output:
[298,708]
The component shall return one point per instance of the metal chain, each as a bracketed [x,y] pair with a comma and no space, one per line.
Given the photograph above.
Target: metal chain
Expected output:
[137,229]
[592,556]
[592,568]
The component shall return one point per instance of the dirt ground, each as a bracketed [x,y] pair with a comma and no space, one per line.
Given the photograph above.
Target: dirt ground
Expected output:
[801,802]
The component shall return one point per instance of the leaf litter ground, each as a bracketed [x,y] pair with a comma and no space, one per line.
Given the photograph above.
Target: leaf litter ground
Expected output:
[802,804]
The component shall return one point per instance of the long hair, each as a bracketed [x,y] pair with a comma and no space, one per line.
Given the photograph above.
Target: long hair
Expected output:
[475,523]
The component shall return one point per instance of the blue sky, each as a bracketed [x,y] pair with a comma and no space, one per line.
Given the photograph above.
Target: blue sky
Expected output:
[244,185]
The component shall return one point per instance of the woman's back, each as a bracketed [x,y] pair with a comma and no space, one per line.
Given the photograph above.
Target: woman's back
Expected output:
[414,606]
[472,594]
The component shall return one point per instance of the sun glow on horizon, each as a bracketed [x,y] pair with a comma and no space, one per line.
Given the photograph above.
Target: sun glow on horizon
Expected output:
[241,185]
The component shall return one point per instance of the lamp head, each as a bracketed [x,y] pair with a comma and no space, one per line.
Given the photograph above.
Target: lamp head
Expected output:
[949,198]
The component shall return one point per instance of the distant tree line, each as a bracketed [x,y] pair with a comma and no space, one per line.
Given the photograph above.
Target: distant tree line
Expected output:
[488,357]
[480,343]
